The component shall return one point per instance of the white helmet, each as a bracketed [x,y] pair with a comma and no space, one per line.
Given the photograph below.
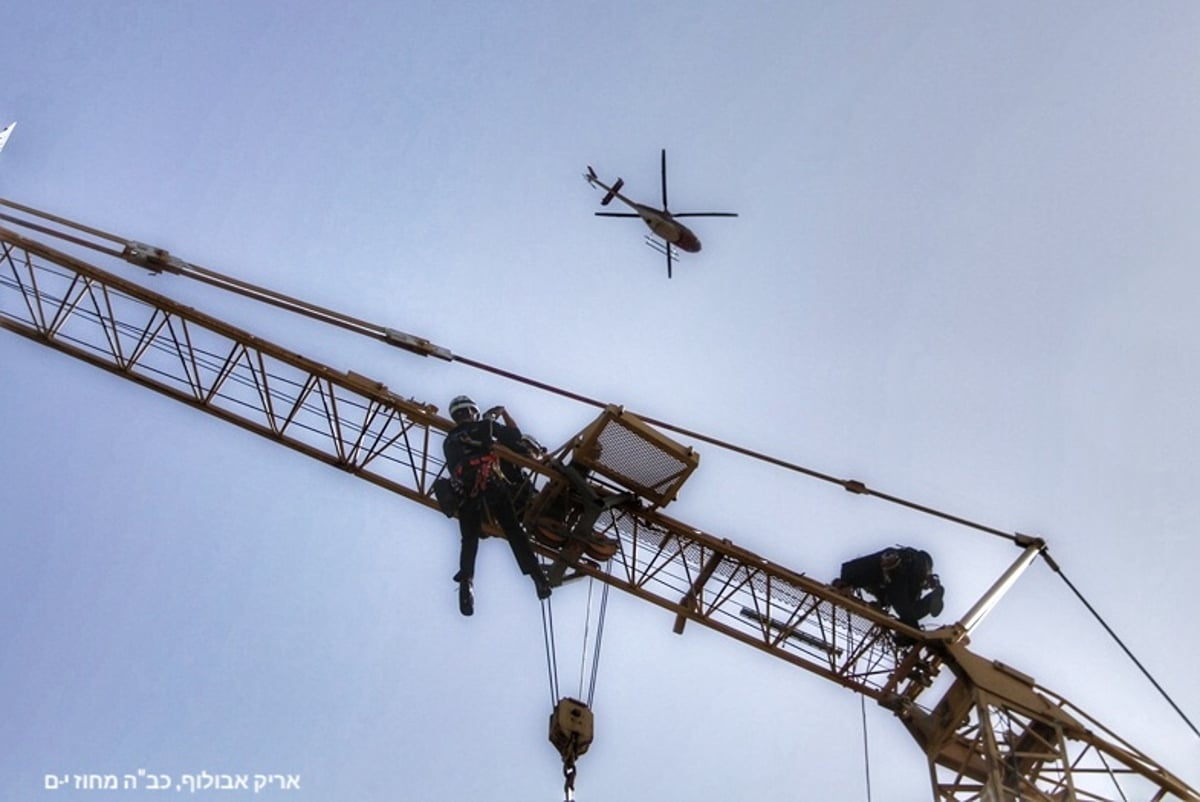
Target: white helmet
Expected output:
[463,403]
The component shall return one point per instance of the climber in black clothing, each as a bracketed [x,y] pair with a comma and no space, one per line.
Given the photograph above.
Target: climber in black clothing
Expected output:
[897,577]
[477,476]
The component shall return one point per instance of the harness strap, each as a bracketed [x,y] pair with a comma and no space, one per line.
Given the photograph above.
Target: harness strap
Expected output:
[484,466]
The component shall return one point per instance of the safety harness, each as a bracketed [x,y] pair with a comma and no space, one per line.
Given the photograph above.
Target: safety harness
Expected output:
[483,466]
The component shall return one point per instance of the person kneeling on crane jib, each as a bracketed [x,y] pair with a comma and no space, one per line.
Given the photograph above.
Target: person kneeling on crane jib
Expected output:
[897,578]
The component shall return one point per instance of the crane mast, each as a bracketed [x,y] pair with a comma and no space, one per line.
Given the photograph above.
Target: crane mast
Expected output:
[597,510]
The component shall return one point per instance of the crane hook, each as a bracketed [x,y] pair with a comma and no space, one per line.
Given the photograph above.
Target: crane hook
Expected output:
[568,779]
[571,734]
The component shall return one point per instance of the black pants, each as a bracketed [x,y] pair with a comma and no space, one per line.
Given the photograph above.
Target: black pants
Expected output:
[494,499]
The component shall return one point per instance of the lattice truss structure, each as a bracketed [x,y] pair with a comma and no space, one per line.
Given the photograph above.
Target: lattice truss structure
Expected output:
[1035,760]
[709,580]
[595,509]
[340,418]
[358,425]
[996,736]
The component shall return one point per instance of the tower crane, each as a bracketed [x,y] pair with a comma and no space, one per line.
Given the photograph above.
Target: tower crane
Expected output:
[597,510]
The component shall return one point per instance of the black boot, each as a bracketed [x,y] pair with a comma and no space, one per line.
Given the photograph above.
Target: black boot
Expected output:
[466,597]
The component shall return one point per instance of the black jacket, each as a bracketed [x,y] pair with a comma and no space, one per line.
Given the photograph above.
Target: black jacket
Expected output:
[897,578]
[468,452]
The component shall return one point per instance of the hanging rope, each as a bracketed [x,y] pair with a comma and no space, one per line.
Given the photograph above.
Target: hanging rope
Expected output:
[591,695]
[571,719]
[551,649]
[866,752]
[587,622]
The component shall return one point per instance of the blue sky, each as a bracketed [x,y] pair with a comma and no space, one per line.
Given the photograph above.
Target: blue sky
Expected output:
[964,273]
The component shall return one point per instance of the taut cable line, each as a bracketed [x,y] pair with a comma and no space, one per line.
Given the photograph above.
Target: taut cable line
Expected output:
[158,260]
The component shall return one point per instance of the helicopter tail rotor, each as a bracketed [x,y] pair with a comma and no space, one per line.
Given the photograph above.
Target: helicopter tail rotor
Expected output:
[612,192]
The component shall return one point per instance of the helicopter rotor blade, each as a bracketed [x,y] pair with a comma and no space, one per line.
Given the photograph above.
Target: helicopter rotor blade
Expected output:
[617,214]
[704,214]
[664,178]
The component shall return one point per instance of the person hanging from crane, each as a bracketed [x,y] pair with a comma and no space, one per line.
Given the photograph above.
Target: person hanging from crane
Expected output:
[896,577]
[479,480]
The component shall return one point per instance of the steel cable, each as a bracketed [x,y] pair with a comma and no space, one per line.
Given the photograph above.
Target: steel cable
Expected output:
[1058,570]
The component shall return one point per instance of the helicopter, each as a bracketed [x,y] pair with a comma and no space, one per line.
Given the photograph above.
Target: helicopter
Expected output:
[668,233]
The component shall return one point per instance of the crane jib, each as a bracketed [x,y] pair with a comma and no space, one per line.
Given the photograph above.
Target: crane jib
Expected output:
[632,471]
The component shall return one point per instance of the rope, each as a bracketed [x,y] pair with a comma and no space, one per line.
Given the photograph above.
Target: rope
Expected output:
[587,622]
[551,650]
[599,639]
[866,753]
[590,695]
